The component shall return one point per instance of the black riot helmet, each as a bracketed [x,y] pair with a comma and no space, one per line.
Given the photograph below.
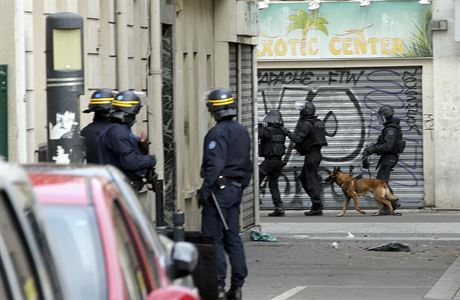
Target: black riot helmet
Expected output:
[101,101]
[221,104]
[307,109]
[385,113]
[125,107]
[274,117]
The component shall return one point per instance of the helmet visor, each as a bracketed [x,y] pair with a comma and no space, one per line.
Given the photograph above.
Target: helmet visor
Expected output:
[381,119]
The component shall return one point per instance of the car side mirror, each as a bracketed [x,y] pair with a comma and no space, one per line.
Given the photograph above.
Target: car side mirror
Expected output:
[172,293]
[185,259]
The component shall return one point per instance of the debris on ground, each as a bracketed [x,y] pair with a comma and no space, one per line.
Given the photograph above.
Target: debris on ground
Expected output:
[261,236]
[390,247]
[350,235]
[335,245]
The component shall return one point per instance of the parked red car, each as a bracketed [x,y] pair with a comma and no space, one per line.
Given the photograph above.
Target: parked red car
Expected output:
[101,251]
[26,268]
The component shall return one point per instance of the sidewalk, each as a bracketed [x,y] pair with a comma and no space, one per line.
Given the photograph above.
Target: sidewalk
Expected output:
[325,257]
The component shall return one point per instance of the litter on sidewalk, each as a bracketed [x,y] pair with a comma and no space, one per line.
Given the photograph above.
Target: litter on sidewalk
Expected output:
[261,236]
[390,247]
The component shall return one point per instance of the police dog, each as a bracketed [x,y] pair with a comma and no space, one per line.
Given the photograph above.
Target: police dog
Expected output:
[354,188]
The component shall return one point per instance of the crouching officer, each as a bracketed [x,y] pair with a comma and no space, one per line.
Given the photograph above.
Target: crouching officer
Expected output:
[309,137]
[226,170]
[389,145]
[118,146]
[272,148]
[100,103]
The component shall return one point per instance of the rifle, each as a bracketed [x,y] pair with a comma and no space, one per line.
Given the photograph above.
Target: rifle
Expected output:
[151,179]
[156,185]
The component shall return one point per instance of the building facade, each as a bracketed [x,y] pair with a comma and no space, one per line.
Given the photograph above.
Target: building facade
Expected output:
[349,60]
[172,51]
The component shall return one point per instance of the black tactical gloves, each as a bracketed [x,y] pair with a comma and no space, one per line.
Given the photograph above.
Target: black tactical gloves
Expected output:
[285,131]
[202,198]
[369,150]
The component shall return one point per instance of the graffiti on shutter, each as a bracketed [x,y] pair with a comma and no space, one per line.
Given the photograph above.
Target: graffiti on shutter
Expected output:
[347,100]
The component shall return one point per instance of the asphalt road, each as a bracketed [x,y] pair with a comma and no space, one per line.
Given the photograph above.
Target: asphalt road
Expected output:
[326,257]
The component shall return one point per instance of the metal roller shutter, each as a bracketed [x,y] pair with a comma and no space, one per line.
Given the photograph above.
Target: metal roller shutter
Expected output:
[241,84]
[347,100]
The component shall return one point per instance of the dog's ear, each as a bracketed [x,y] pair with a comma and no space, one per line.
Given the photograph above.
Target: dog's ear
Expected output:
[338,169]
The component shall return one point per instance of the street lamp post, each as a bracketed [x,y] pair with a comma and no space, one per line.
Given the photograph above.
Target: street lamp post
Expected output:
[65,83]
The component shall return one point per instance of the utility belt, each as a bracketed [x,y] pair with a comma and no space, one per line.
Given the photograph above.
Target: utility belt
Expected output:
[223,181]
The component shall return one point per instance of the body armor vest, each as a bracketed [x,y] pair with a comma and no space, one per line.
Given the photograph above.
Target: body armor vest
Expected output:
[399,144]
[273,145]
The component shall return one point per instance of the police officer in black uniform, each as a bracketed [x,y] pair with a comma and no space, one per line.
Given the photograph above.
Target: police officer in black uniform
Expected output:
[272,139]
[226,170]
[118,146]
[389,145]
[309,137]
[100,103]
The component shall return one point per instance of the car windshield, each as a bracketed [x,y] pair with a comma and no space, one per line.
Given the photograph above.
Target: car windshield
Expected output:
[74,235]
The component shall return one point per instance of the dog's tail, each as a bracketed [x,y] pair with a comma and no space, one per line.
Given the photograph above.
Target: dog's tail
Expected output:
[389,193]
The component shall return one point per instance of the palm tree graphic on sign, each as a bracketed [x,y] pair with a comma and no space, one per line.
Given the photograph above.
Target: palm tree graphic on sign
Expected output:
[306,22]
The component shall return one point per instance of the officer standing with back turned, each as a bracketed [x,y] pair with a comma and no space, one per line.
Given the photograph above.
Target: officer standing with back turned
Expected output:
[272,148]
[100,103]
[309,137]
[119,147]
[226,170]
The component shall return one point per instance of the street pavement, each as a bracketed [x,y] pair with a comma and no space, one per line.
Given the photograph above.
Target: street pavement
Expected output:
[326,258]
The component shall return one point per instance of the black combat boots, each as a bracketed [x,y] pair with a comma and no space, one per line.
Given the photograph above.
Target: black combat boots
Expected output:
[316,210]
[221,292]
[234,293]
[278,212]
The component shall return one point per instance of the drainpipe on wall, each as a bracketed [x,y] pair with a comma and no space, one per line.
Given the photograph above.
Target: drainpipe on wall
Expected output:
[154,87]
[20,83]
[121,36]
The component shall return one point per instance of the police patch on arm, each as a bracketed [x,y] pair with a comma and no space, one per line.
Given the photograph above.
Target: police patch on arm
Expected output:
[212,145]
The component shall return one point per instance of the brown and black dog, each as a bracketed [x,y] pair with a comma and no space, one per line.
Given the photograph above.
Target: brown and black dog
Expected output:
[354,188]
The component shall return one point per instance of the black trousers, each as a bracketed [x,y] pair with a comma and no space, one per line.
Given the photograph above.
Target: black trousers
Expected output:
[386,164]
[271,168]
[310,179]
[227,241]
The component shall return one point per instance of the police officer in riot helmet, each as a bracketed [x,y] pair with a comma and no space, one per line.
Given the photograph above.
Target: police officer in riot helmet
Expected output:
[389,145]
[118,146]
[272,148]
[309,137]
[100,103]
[226,170]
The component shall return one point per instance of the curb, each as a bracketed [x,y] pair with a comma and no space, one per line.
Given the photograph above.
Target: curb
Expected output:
[448,285]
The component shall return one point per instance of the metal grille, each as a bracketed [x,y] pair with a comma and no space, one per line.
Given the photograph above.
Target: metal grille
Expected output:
[242,82]
[169,145]
[3,111]
[347,100]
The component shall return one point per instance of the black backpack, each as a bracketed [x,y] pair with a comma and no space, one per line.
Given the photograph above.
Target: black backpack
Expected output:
[319,130]
[316,138]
